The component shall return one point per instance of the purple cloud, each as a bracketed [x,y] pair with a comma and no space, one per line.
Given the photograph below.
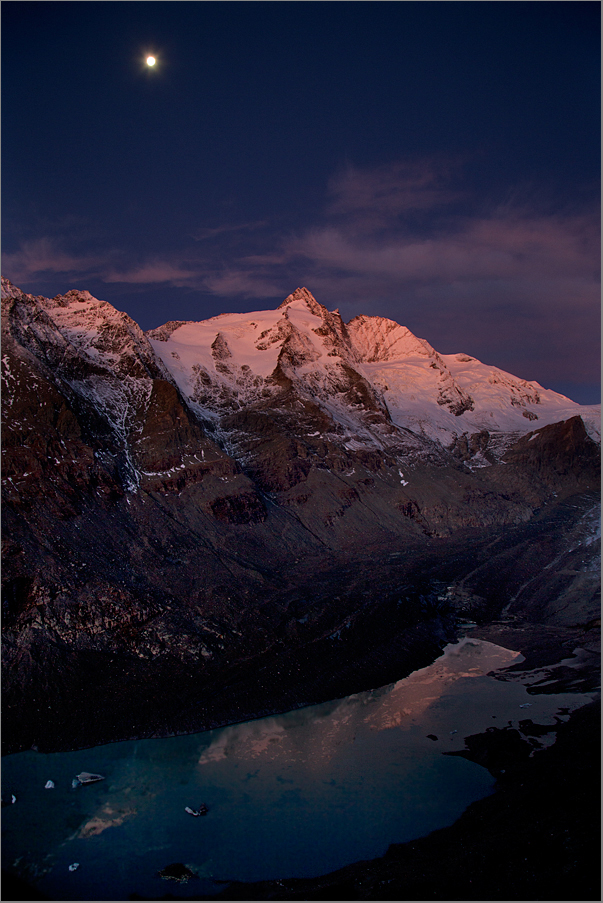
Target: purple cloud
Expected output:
[41,256]
[243,283]
[154,272]
[373,198]
[207,233]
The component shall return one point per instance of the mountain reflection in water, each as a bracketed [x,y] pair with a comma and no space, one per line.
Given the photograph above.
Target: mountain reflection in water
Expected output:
[291,795]
[335,723]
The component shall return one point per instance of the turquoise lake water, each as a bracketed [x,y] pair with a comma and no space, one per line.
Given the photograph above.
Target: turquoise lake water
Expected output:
[293,795]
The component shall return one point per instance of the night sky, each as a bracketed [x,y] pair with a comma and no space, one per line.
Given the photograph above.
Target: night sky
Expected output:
[437,163]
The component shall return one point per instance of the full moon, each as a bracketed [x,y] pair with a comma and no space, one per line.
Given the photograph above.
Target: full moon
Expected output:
[151,61]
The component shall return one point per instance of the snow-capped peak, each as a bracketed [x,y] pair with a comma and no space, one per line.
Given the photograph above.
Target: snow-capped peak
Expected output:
[302,298]
[380,339]
[372,367]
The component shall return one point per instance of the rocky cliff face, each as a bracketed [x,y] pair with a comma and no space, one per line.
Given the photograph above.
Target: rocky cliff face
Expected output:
[258,510]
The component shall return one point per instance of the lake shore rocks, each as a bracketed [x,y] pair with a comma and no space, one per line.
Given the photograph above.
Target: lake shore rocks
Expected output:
[178,872]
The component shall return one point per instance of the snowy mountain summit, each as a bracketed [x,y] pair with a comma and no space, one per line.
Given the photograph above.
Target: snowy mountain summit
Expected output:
[375,381]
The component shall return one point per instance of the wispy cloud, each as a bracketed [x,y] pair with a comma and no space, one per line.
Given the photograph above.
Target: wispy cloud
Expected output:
[374,198]
[41,258]
[154,272]
[44,255]
[206,233]
[241,283]
[483,249]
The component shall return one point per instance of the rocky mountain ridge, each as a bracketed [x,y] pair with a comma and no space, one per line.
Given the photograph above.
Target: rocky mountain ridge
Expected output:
[188,509]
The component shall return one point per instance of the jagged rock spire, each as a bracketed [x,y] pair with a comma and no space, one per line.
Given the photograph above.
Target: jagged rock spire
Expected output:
[9,290]
[306,296]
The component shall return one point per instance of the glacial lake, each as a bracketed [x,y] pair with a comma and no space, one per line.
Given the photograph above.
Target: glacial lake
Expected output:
[292,795]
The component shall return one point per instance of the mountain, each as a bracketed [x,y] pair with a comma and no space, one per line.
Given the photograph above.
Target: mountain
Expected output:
[264,509]
[373,378]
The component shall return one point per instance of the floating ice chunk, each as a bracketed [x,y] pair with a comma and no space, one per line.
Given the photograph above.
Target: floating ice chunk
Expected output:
[525,705]
[49,785]
[202,810]
[74,866]
[86,777]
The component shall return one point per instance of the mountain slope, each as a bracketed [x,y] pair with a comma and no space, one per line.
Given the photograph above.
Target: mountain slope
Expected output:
[197,509]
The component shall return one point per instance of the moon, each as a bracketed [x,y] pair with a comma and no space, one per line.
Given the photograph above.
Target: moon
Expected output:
[151,61]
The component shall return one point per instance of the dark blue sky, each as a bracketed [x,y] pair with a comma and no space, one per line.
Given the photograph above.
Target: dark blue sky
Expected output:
[434,162]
